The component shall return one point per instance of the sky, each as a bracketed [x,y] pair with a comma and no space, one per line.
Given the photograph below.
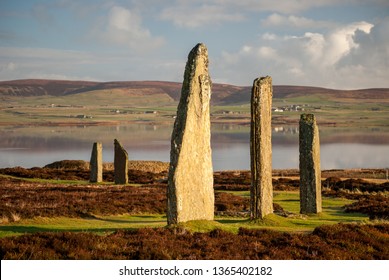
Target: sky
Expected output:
[340,44]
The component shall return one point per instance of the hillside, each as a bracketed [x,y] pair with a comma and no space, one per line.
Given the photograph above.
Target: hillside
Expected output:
[222,94]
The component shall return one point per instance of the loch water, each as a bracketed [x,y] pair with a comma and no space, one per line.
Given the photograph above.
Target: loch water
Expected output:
[341,148]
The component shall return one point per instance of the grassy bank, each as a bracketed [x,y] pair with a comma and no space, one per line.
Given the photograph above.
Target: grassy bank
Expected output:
[333,213]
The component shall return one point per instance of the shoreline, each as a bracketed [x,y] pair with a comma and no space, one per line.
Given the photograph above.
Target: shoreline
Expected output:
[161,167]
[288,121]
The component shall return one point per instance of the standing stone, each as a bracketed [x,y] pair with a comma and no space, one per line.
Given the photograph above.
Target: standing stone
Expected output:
[261,191]
[120,164]
[190,194]
[310,177]
[96,163]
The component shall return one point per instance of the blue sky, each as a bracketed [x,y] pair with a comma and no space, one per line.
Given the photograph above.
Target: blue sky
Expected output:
[340,44]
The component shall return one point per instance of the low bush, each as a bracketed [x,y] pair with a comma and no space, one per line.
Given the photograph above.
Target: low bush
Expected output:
[342,241]
[377,207]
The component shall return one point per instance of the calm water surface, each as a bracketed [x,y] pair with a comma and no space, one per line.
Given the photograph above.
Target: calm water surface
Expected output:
[340,147]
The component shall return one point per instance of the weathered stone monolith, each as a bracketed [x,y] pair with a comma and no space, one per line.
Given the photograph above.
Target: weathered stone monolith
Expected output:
[261,192]
[190,194]
[96,163]
[310,177]
[120,164]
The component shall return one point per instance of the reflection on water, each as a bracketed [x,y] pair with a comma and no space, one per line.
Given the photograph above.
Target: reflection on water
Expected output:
[340,147]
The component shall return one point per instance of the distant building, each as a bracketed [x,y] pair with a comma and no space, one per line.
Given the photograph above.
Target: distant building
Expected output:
[83,117]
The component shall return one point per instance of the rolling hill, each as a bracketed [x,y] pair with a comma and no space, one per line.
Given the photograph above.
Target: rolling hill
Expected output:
[222,94]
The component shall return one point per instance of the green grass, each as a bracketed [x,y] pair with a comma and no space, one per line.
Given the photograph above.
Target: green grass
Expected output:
[49,181]
[100,105]
[62,182]
[99,225]
[332,213]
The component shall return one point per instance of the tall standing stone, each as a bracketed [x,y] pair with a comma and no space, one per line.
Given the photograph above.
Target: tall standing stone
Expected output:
[96,163]
[190,192]
[261,192]
[120,164]
[310,177]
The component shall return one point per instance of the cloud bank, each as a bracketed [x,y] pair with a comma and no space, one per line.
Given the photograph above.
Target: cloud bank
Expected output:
[329,43]
[343,57]
[124,27]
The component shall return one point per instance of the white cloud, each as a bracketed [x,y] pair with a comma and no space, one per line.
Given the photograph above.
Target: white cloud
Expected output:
[328,49]
[314,46]
[45,63]
[45,54]
[121,41]
[123,19]
[21,63]
[269,36]
[369,57]
[341,42]
[124,27]
[11,66]
[290,6]
[276,19]
[199,13]
[268,53]
[352,56]
[190,16]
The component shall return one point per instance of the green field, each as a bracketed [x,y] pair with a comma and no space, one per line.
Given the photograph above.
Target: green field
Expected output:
[332,214]
[116,106]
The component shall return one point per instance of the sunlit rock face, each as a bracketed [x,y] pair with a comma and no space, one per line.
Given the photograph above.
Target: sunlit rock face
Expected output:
[261,192]
[190,183]
[96,163]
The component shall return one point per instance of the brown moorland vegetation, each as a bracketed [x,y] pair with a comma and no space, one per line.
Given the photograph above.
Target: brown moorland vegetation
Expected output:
[147,193]
[341,241]
[377,207]
[23,196]
[31,199]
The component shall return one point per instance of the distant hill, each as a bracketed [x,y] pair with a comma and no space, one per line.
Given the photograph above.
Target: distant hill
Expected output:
[222,94]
